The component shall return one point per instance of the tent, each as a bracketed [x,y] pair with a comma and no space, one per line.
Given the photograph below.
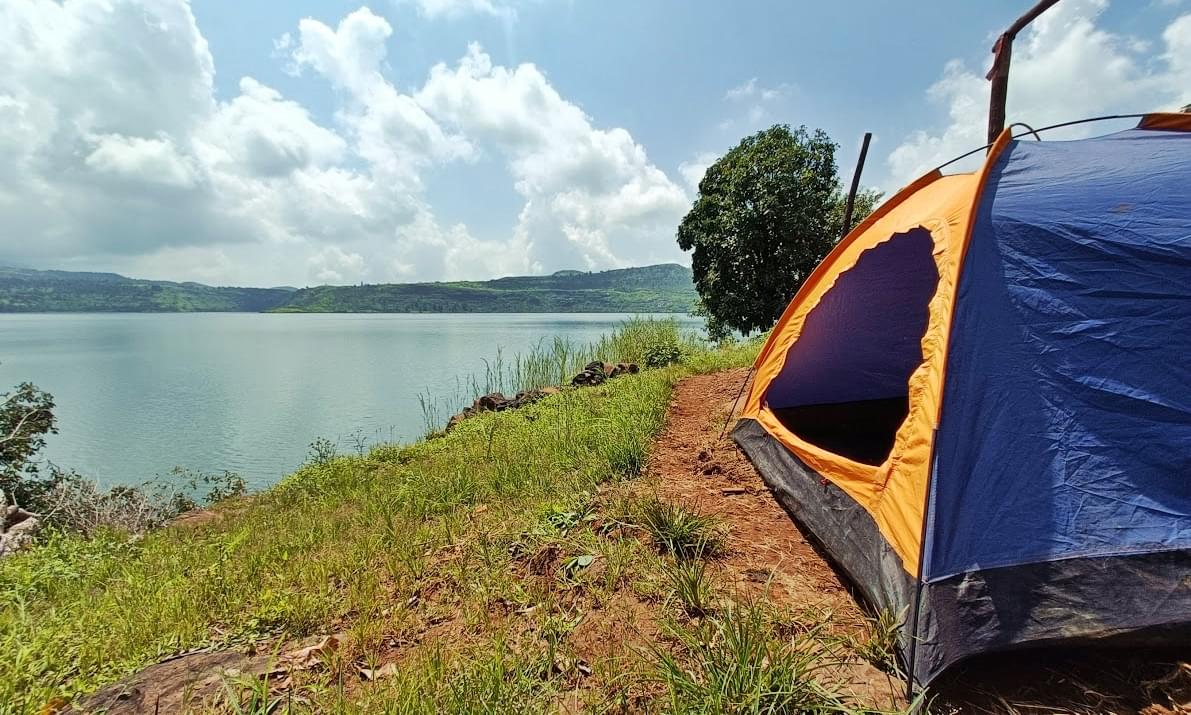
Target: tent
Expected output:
[980,402]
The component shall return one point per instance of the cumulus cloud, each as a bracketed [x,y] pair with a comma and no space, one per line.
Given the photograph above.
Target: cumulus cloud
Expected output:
[595,187]
[1065,66]
[120,156]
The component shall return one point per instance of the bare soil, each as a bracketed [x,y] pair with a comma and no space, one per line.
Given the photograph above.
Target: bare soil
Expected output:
[693,462]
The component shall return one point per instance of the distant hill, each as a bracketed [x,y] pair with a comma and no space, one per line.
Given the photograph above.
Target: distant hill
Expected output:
[665,288]
[29,291]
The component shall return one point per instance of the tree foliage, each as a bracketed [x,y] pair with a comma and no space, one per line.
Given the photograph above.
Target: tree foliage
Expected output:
[26,417]
[768,211]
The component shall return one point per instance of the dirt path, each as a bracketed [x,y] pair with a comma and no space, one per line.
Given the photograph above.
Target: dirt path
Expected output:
[692,463]
[767,555]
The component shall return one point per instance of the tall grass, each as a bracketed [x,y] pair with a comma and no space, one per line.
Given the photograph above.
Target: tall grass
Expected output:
[555,361]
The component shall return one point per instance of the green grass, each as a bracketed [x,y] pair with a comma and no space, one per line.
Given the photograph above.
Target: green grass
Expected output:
[692,586]
[743,662]
[471,561]
[681,531]
[350,543]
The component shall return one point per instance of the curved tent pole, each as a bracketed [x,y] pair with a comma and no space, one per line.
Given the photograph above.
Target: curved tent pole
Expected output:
[1039,130]
[999,74]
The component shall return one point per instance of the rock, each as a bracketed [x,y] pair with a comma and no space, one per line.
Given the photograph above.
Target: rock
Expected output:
[595,373]
[592,374]
[17,529]
[499,402]
[623,368]
[492,402]
[199,680]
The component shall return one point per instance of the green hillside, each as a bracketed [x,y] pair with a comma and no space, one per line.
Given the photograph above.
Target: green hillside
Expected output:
[664,288]
[660,289]
[28,291]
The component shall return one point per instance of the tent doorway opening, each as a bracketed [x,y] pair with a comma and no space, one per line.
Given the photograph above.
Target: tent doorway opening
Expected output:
[844,384]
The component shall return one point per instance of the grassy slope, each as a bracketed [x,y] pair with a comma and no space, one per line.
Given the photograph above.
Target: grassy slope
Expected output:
[386,546]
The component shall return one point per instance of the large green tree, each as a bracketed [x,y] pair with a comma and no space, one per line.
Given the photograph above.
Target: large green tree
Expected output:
[767,212]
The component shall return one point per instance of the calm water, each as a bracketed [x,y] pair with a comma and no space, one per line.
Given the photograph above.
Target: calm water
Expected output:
[138,394]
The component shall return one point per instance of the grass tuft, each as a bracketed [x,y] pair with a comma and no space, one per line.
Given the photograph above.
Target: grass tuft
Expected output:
[692,586]
[680,531]
[879,647]
[738,663]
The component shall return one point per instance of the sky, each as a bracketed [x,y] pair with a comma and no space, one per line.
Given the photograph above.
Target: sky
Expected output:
[239,142]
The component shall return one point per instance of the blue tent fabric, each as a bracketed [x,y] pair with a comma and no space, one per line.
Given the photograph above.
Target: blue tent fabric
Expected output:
[1066,423]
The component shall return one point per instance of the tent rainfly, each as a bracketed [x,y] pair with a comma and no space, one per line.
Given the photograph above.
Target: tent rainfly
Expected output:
[980,402]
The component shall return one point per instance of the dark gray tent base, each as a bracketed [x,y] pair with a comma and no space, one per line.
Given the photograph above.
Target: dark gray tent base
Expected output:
[1126,600]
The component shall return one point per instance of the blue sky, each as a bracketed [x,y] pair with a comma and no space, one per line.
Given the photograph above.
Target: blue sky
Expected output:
[306,142]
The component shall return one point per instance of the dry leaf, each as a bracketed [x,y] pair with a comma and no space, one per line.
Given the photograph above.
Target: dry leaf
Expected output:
[386,670]
[305,658]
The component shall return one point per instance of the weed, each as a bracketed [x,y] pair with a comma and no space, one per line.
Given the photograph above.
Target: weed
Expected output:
[879,647]
[662,354]
[252,696]
[692,586]
[680,531]
[734,663]
[322,451]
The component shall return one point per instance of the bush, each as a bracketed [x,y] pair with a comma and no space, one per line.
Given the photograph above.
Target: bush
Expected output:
[662,354]
[77,504]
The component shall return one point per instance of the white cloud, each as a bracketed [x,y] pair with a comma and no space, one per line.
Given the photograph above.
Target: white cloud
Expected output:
[1064,67]
[119,156]
[151,161]
[266,135]
[693,169]
[594,187]
[334,265]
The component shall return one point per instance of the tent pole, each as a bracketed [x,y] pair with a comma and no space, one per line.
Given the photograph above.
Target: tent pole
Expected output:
[999,74]
[918,579]
[868,136]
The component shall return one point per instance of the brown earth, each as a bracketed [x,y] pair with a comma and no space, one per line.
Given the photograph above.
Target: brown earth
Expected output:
[693,463]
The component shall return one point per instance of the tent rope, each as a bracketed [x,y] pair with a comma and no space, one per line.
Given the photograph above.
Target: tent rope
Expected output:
[728,419]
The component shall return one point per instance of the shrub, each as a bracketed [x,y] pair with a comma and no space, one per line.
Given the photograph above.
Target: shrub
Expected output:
[77,504]
[662,354]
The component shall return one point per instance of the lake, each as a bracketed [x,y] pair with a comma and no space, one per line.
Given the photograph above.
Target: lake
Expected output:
[138,394]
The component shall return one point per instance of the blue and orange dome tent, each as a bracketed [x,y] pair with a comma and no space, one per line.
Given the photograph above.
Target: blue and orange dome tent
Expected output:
[980,401]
